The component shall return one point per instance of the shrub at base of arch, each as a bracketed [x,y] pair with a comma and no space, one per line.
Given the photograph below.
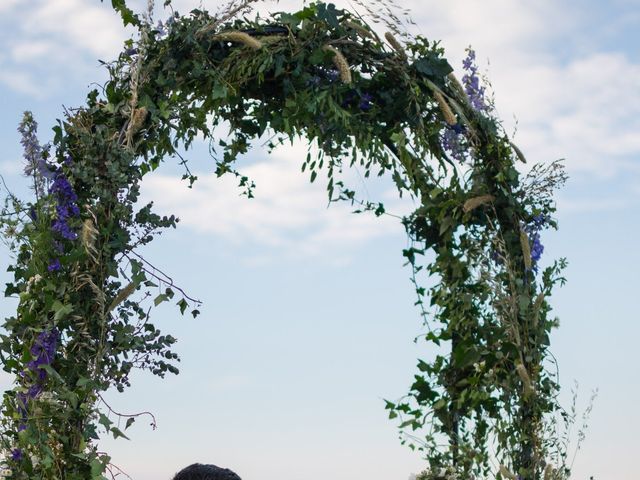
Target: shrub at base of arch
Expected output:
[82,322]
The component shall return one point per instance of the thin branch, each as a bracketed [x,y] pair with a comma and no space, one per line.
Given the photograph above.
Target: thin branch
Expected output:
[133,415]
[159,276]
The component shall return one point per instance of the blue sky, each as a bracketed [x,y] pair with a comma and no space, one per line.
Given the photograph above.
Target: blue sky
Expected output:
[308,321]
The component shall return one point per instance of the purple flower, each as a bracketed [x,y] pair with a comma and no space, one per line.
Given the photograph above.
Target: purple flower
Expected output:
[533,230]
[366,101]
[66,207]
[42,352]
[43,349]
[452,142]
[36,164]
[54,266]
[16,454]
[536,247]
[471,82]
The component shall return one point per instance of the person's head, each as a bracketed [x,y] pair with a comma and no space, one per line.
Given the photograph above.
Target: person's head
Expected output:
[198,471]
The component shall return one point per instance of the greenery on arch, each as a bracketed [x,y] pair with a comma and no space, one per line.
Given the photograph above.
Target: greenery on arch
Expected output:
[390,105]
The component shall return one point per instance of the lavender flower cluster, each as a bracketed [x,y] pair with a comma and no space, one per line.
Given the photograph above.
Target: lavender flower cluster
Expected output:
[452,141]
[471,82]
[34,154]
[43,352]
[59,186]
[66,209]
[533,231]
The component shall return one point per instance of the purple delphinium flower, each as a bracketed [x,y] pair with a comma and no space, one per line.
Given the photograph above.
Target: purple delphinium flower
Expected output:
[533,231]
[471,82]
[366,101]
[16,454]
[452,143]
[36,164]
[536,247]
[42,352]
[55,265]
[451,139]
[28,129]
[66,207]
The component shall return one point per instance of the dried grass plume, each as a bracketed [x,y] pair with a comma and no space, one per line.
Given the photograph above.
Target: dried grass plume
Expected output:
[475,202]
[239,37]
[341,63]
[447,113]
[363,32]
[397,46]
[122,295]
[526,249]
[524,377]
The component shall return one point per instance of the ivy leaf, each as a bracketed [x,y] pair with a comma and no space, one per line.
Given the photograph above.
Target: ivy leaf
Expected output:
[10,290]
[105,421]
[60,310]
[433,67]
[159,299]
[118,433]
[329,14]
[128,17]
[182,303]
[130,422]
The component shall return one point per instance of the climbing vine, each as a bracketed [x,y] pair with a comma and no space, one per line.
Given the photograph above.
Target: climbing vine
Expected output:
[390,105]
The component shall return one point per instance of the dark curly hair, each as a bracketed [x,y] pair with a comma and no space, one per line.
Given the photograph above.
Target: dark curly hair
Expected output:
[198,471]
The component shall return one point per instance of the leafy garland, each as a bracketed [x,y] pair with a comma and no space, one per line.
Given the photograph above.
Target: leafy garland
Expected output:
[82,324]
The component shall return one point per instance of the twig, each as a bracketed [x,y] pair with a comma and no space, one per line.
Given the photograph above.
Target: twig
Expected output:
[167,279]
[133,415]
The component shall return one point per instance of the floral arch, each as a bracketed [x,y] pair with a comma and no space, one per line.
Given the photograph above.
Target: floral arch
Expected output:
[391,105]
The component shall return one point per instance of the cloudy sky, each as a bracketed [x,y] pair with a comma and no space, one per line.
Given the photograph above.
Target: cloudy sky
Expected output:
[307,323]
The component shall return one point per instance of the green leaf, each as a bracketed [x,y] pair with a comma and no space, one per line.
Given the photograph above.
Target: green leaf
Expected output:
[182,303]
[159,299]
[60,310]
[433,67]
[128,17]
[97,469]
[317,57]
[329,14]
[130,421]
[118,433]
[219,91]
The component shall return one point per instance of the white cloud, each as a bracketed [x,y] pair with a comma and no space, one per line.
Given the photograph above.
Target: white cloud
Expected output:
[22,82]
[7,5]
[28,51]
[587,111]
[78,25]
[288,215]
